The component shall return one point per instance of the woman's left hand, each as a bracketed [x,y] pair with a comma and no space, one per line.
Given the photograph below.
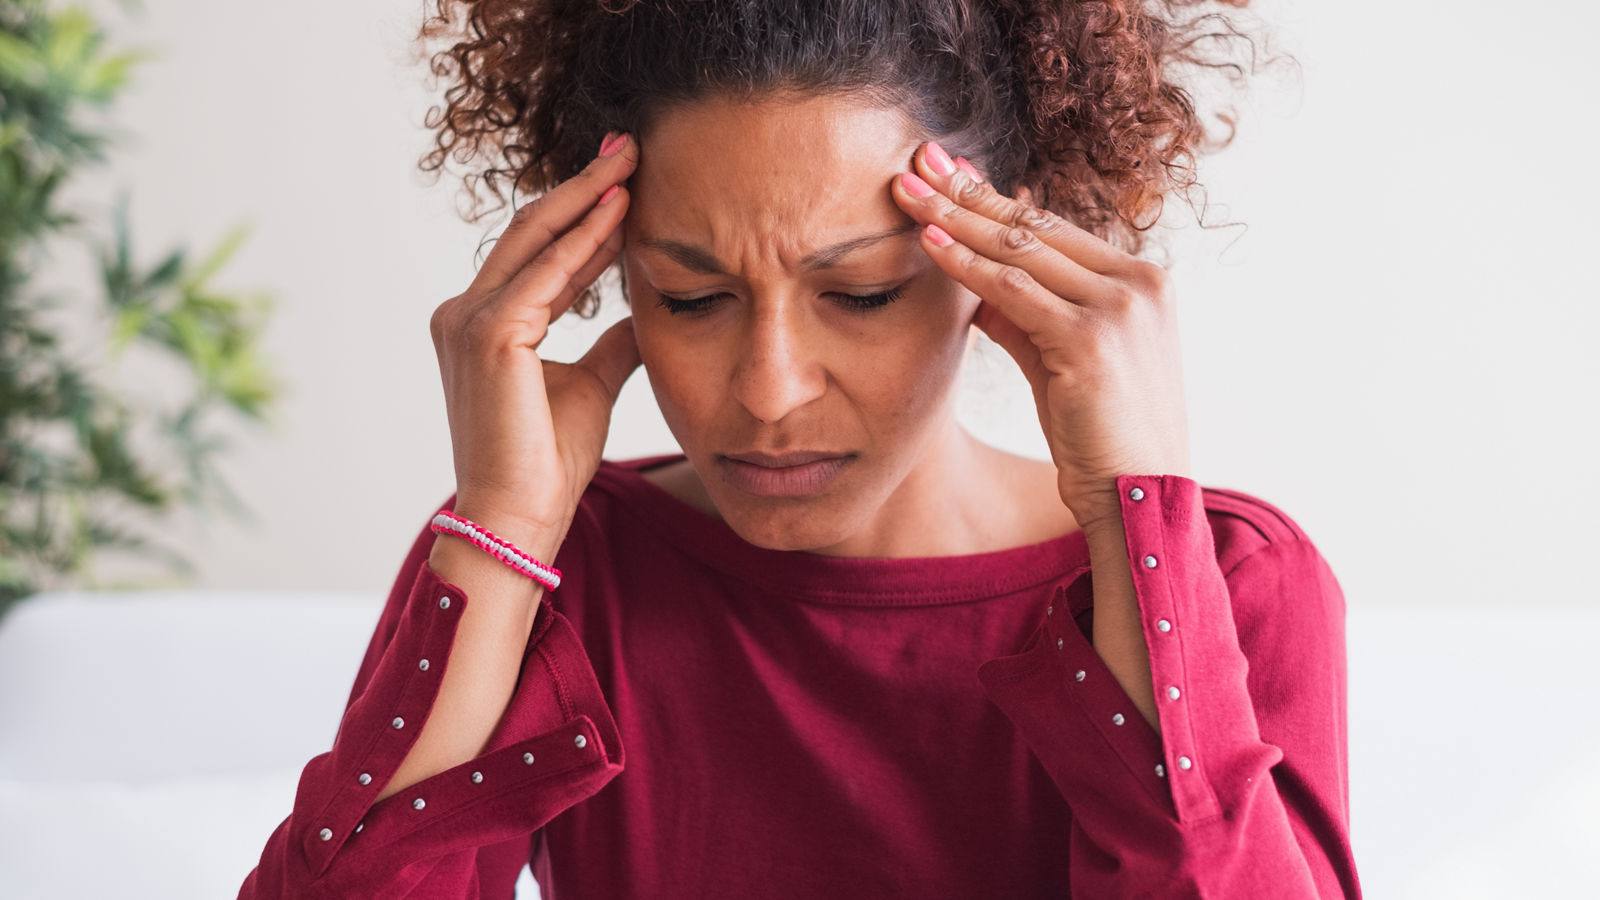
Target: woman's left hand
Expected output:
[1093,328]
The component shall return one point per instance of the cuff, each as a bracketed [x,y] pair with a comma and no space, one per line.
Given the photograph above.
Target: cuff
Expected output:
[557,744]
[1104,756]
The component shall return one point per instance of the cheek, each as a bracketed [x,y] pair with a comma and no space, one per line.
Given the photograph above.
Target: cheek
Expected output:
[944,334]
[680,373]
[911,373]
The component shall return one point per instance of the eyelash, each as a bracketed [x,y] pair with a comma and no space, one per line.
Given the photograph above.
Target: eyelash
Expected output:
[858,302]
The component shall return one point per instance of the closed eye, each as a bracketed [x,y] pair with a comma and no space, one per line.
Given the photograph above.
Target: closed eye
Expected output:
[860,302]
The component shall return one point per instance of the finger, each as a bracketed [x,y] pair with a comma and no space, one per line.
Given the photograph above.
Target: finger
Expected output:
[540,221]
[586,275]
[1004,332]
[549,276]
[1011,245]
[1039,312]
[613,357]
[981,197]
[1017,345]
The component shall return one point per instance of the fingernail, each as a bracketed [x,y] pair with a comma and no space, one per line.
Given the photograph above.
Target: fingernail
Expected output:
[963,165]
[914,185]
[612,143]
[610,192]
[939,235]
[938,160]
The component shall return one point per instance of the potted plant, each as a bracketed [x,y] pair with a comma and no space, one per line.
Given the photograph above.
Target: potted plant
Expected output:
[71,456]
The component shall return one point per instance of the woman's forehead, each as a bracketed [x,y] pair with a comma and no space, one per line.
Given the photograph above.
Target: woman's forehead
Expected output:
[804,173]
[815,147]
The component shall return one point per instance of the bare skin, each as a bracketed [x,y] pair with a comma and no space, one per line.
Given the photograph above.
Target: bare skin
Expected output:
[1022,500]
[777,363]
[751,345]
[805,274]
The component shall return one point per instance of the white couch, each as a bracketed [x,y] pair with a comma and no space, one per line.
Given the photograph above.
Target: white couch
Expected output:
[150,741]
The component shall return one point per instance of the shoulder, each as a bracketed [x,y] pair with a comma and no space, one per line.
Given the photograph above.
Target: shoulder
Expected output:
[1244,524]
[1279,583]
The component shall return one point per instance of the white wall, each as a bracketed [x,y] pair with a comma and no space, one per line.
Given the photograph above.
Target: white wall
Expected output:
[1394,351]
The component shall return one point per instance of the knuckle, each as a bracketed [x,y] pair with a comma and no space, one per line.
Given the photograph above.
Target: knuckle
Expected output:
[1124,296]
[1035,219]
[1015,279]
[968,191]
[436,327]
[1095,351]
[972,265]
[1155,278]
[1015,238]
[446,318]
[478,331]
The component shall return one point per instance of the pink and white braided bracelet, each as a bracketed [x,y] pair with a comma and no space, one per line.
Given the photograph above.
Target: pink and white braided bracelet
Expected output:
[447,522]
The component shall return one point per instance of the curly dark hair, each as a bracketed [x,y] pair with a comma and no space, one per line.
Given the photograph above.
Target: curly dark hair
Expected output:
[1081,101]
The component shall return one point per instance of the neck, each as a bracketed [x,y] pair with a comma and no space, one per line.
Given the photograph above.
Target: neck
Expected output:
[962,497]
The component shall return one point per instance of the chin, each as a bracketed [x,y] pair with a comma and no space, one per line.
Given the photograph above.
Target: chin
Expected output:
[790,524]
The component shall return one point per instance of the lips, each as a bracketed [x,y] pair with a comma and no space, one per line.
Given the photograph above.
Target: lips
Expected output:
[783,460]
[795,474]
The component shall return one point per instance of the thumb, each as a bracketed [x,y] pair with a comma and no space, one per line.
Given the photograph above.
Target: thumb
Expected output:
[1004,332]
[613,357]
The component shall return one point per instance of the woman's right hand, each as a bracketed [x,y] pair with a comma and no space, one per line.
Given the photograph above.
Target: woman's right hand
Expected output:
[526,433]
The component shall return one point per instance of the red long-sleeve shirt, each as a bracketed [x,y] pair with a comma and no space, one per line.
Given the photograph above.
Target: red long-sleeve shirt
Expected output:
[700,717]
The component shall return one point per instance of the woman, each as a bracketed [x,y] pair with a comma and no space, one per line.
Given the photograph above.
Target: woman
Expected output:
[838,647]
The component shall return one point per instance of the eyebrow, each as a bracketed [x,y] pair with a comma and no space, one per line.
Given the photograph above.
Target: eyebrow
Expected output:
[698,259]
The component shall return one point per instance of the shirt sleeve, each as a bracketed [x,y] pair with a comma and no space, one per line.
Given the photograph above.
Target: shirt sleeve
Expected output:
[556,745]
[1244,791]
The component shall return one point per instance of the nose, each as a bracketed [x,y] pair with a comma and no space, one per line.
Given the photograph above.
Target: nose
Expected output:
[780,367]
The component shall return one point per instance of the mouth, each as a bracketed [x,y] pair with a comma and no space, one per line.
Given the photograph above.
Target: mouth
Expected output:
[794,474]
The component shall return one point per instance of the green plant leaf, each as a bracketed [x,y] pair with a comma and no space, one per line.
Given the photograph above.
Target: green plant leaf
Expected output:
[218,256]
[52,68]
[21,61]
[71,42]
[106,77]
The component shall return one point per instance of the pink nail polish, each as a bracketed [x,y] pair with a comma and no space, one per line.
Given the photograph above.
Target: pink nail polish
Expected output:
[914,185]
[612,143]
[610,192]
[938,160]
[939,235]
[963,165]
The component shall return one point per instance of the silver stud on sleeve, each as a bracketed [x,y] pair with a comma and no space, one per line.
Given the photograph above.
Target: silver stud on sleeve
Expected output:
[580,742]
[1172,692]
[363,778]
[422,664]
[1137,493]
[1149,562]
[1184,763]
[1163,625]
[398,722]
[477,778]
[417,803]
[444,602]
[1050,610]
[1060,642]
[1080,675]
[326,834]
[360,825]
[527,758]
[1116,719]
[1161,771]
